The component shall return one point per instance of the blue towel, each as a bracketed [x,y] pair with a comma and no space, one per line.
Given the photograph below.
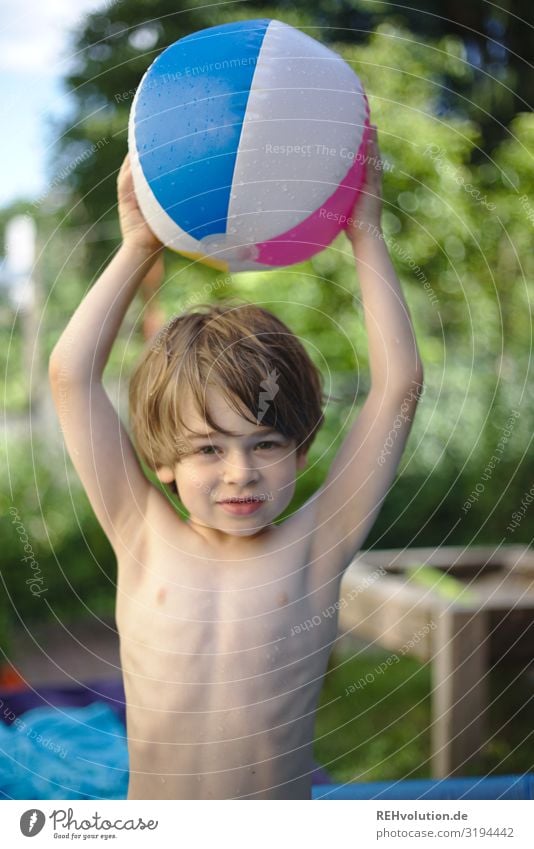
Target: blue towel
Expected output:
[64,753]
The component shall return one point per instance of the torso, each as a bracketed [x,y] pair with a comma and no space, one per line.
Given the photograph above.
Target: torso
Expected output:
[222,674]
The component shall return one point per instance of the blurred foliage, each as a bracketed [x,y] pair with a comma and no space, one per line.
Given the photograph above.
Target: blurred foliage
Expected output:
[381,731]
[69,553]
[378,731]
[458,219]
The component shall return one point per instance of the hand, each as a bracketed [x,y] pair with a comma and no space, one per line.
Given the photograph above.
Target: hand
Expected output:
[365,217]
[133,225]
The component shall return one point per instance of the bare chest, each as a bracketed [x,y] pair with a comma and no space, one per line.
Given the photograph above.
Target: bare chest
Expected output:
[246,621]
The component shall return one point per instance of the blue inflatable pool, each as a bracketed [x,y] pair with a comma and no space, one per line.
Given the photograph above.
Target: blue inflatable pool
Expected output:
[70,743]
[497,787]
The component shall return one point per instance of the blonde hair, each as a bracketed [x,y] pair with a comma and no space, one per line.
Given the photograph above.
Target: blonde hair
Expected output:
[248,353]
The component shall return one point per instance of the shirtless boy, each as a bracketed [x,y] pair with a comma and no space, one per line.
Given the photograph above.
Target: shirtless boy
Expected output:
[221,683]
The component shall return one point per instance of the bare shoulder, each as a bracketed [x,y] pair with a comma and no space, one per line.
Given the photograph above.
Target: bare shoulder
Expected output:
[159,526]
[323,560]
[300,525]
[327,556]
[313,523]
[160,510]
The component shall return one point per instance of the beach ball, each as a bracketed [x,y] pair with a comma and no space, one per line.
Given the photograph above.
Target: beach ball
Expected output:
[246,143]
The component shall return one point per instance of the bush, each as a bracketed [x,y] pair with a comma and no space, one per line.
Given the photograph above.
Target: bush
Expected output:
[55,557]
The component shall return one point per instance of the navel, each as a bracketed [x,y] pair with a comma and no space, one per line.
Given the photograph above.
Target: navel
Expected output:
[161,595]
[281,599]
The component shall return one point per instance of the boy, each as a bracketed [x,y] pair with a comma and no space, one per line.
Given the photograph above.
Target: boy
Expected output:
[221,683]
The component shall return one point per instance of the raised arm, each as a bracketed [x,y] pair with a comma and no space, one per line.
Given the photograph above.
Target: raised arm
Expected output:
[98,444]
[362,471]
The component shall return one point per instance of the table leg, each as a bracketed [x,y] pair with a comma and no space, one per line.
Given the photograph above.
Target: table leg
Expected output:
[459,690]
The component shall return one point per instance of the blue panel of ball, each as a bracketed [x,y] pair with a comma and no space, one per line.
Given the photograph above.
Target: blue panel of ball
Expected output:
[197,122]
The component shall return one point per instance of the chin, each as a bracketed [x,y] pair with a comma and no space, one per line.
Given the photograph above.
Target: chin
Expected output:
[243,532]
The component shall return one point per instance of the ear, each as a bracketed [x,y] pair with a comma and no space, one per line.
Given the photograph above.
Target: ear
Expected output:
[165,474]
[302,459]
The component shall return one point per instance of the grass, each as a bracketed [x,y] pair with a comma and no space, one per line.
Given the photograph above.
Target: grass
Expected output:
[379,731]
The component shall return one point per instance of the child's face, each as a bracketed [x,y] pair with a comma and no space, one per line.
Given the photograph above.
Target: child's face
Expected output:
[259,465]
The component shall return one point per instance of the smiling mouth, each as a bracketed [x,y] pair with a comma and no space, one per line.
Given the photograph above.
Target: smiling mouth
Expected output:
[249,499]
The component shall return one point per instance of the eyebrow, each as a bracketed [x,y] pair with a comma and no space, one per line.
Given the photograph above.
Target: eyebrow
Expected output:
[259,432]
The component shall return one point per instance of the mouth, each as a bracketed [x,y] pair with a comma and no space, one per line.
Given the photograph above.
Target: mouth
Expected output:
[243,506]
[248,499]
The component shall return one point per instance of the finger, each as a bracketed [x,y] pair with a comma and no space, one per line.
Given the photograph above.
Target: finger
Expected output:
[125,166]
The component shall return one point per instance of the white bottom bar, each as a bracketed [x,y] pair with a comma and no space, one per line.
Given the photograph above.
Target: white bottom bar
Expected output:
[264,825]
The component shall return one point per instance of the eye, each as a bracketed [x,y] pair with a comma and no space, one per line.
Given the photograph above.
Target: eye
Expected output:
[267,442]
[207,449]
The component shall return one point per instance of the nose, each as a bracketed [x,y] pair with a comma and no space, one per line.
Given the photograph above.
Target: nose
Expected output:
[238,469]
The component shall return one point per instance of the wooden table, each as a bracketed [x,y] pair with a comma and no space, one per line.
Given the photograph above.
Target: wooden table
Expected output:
[462,627]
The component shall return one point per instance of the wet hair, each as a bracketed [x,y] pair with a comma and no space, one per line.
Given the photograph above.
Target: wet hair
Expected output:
[250,355]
